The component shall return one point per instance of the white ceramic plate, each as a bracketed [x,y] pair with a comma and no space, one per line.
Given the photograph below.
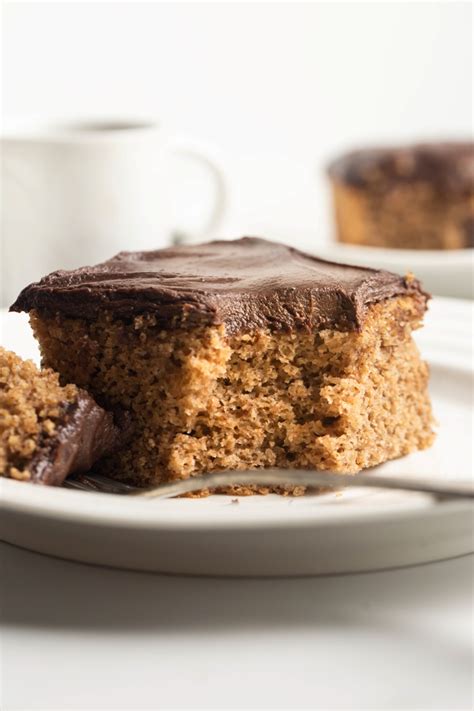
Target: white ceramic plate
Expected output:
[443,272]
[351,531]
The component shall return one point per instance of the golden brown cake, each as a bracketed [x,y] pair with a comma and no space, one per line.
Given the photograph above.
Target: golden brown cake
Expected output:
[47,431]
[413,197]
[240,354]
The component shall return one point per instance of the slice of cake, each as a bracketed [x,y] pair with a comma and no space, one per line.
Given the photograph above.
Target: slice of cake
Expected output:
[47,431]
[240,354]
[414,197]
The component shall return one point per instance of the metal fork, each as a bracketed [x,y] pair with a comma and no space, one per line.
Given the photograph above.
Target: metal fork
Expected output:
[273,477]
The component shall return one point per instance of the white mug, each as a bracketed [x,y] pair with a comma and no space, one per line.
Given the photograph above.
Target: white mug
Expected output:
[76,193]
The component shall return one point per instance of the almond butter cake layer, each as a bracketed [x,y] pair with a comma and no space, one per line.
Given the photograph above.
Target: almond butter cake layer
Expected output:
[240,354]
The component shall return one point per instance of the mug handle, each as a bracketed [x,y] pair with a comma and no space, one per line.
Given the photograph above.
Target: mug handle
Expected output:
[201,154]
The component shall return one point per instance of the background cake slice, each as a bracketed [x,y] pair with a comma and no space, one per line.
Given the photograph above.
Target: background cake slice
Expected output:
[47,431]
[413,197]
[240,354]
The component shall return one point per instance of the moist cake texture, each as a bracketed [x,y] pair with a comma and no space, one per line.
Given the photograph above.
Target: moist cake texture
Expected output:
[415,197]
[47,431]
[240,354]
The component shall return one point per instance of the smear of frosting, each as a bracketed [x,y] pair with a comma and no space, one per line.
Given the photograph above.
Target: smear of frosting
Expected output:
[86,433]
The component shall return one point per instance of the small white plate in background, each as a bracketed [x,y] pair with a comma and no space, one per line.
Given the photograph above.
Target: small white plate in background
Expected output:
[442,272]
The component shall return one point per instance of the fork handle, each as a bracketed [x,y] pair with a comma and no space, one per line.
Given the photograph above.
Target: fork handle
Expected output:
[303,477]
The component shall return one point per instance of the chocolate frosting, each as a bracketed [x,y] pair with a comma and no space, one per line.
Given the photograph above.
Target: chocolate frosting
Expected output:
[245,284]
[448,166]
[86,434]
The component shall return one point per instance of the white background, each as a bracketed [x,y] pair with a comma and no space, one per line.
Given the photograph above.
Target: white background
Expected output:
[276,88]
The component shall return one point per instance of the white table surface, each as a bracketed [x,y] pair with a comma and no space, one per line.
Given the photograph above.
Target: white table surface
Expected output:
[80,637]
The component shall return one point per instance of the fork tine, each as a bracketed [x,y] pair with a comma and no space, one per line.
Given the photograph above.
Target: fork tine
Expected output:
[107,481]
[91,481]
[76,484]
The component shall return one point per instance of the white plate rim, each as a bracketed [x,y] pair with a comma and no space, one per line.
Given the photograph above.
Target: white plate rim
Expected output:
[124,514]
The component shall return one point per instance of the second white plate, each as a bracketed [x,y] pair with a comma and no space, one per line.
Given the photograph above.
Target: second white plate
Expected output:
[443,272]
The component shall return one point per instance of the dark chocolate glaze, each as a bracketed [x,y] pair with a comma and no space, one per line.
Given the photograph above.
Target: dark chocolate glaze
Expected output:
[448,166]
[86,433]
[245,284]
